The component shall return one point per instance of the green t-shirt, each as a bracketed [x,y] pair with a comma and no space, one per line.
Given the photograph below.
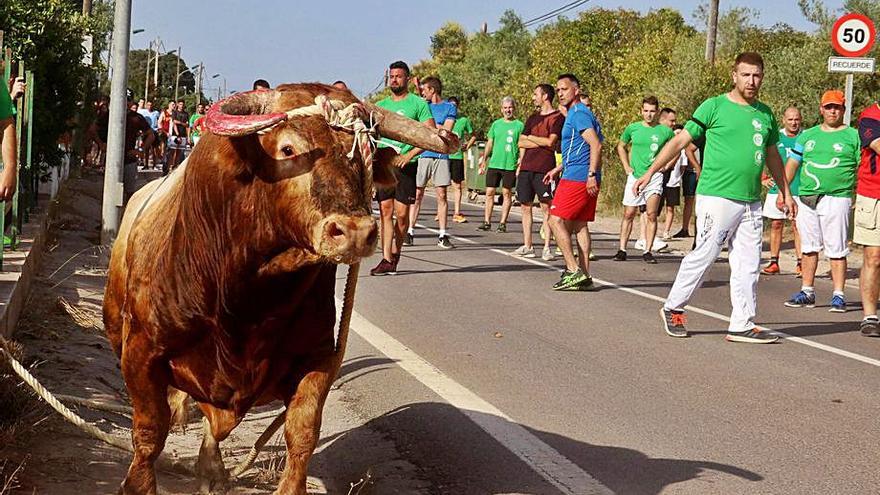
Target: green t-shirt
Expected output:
[505,143]
[411,107]
[646,141]
[736,140]
[830,160]
[192,124]
[786,144]
[7,109]
[461,128]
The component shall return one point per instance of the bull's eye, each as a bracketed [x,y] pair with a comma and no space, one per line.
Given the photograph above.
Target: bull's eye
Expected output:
[287,150]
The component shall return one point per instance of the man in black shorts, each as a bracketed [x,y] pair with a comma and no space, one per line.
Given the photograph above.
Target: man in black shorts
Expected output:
[671,196]
[464,129]
[539,139]
[502,154]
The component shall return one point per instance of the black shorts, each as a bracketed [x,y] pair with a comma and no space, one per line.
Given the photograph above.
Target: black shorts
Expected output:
[531,184]
[689,183]
[671,196]
[456,169]
[504,178]
[405,192]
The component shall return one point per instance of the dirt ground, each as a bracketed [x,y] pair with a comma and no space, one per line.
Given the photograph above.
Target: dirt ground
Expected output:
[63,341]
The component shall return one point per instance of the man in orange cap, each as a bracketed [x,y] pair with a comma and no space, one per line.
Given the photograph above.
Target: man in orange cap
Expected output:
[829,153]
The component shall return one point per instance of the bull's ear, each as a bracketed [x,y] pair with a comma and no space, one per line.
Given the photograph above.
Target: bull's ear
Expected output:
[383,172]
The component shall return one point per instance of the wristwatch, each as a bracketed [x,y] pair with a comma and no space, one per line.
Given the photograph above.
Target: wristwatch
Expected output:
[591,174]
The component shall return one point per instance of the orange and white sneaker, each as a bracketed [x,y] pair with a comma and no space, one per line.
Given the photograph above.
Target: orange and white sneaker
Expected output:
[771,269]
[459,218]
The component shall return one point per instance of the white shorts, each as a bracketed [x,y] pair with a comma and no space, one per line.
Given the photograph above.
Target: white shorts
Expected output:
[826,227]
[770,209]
[654,186]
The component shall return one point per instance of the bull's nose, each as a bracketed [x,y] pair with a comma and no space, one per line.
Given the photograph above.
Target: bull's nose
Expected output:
[350,236]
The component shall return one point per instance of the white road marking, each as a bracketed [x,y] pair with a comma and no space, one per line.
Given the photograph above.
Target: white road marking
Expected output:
[542,458]
[705,312]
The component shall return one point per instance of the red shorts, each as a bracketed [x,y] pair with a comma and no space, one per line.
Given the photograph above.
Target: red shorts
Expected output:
[571,202]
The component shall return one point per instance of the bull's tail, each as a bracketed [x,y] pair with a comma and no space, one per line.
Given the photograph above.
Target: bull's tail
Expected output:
[177,401]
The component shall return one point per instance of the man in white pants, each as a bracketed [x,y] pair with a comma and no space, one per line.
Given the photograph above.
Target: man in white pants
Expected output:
[830,153]
[741,135]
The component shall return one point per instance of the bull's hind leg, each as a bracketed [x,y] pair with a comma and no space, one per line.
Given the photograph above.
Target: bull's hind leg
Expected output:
[146,377]
[212,473]
[302,425]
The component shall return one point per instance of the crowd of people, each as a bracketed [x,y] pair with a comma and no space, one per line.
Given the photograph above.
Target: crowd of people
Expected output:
[716,161]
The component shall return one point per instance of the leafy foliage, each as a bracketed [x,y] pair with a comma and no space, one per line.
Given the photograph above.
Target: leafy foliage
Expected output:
[162,93]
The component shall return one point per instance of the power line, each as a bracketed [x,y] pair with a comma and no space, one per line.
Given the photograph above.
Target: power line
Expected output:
[555,12]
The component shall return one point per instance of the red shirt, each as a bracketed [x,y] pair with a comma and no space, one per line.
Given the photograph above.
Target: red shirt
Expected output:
[868,182]
[542,159]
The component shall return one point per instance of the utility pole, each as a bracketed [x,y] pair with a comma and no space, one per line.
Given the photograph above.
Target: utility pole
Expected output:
[87,7]
[712,31]
[113,191]
[147,78]
[199,83]
[177,79]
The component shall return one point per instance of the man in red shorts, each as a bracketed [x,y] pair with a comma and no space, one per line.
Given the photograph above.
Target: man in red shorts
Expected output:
[574,202]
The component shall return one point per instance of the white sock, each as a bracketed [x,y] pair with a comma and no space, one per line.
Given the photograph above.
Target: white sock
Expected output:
[442,232]
[838,293]
[410,231]
[808,290]
[871,317]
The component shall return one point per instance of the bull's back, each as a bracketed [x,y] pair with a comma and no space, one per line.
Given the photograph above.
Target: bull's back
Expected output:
[142,207]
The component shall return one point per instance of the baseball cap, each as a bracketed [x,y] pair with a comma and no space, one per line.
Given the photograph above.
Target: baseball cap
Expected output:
[834,96]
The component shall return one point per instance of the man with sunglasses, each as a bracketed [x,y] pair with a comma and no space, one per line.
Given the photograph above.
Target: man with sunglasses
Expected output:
[829,153]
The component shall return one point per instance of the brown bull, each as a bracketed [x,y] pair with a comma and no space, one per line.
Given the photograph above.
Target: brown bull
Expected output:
[222,278]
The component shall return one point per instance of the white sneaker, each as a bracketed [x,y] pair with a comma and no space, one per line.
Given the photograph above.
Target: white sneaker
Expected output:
[525,252]
[660,246]
[640,244]
[547,255]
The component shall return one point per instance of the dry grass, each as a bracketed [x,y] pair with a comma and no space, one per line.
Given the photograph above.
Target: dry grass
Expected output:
[21,411]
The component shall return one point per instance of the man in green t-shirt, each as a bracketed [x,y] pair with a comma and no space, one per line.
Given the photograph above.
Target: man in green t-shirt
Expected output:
[464,129]
[791,129]
[8,145]
[396,202]
[503,155]
[741,136]
[645,139]
[196,122]
[830,154]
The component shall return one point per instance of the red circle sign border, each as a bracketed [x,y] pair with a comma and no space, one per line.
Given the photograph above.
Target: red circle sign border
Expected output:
[871,31]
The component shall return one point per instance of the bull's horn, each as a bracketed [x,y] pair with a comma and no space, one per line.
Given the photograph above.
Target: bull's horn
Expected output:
[243,113]
[399,128]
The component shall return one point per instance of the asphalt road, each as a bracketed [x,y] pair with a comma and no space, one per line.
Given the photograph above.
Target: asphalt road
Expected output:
[490,382]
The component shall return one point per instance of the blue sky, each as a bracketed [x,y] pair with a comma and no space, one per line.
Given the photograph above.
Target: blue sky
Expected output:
[293,41]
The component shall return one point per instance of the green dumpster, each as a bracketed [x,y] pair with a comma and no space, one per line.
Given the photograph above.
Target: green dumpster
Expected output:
[476,183]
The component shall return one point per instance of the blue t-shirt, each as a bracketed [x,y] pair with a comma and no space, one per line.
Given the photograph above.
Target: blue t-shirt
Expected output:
[576,151]
[442,112]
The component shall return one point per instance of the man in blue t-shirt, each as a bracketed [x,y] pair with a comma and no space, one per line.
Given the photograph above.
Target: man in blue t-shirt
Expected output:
[435,166]
[574,202]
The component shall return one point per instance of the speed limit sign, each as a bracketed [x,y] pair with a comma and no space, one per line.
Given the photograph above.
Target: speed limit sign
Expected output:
[853,35]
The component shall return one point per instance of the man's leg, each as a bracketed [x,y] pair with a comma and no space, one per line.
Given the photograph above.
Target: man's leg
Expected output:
[626,225]
[797,244]
[545,225]
[416,207]
[582,234]
[869,282]
[442,207]
[670,217]
[834,221]
[838,274]
[745,266]
[527,224]
[653,204]
[563,240]
[456,198]
[386,213]
[401,211]
[507,201]
[687,213]
[490,205]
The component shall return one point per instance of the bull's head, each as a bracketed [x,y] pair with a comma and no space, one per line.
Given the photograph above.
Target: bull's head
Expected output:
[318,175]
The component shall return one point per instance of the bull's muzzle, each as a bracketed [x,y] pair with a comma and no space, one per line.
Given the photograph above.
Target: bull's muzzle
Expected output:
[347,238]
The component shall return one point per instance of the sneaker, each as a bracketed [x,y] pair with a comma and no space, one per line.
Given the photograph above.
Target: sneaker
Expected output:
[444,242]
[547,255]
[870,327]
[797,271]
[666,236]
[620,256]
[649,258]
[459,218]
[502,228]
[753,336]
[408,239]
[771,269]
[659,246]
[570,280]
[681,234]
[838,304]
[674,322]
[485,227]
[640,245]
[586,285]
[591,256]
[525,252]
[384,267]
[802,299]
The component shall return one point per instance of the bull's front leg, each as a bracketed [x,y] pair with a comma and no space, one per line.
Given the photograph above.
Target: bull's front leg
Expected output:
[146,377]
[302,425]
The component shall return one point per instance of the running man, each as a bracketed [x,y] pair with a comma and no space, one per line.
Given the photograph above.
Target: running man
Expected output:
[789,133]
[502,153]
[540,139]
[464,129]
[574,202]
[741,136]
[867,218]
[434,166]
[830,154]
[646,139]
[396,202]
